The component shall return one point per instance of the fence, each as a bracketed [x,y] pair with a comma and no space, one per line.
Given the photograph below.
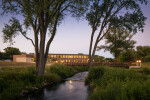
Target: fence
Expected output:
[113,64]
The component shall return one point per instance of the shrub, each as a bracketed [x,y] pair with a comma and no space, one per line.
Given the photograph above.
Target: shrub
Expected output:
[61,70]
[80,68]
[146,58]
[95,73]
[145,71]
[119,84]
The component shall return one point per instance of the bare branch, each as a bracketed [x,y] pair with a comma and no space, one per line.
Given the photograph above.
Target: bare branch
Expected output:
[27,38]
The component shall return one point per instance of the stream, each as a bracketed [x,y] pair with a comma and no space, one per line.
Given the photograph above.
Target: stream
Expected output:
[72,88]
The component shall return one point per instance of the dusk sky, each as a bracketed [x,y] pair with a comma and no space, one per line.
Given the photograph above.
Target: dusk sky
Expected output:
[73,36]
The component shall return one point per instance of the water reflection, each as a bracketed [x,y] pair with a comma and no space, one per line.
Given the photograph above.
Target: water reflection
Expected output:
[68,90]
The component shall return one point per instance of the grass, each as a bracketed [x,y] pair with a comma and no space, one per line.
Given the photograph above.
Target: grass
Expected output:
[15,80]
[118,84]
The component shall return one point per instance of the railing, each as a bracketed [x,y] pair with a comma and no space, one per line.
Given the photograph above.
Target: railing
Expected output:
[113,64]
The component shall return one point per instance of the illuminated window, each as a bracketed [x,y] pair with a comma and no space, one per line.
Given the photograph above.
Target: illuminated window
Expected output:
[76,56]
[87,56]
[54,56]
[70,56]
[69,60]
[58,56]
[79,56]
[64,56]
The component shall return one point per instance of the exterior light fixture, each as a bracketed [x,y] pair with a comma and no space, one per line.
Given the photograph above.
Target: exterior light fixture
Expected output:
[138,63]
[70,81]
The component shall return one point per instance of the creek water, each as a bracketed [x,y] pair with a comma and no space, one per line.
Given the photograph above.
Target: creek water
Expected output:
[72,88]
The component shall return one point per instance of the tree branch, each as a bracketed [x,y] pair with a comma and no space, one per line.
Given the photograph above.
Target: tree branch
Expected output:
[27,38]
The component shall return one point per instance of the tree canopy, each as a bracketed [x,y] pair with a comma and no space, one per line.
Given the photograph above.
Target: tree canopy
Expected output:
[43,17]
[9,52]
[104,15]
[117,41]
[142,51]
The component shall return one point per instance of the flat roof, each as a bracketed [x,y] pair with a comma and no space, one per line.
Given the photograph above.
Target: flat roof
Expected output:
[66,54]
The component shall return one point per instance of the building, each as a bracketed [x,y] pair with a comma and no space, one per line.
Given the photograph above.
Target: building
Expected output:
[58,58]
[23,58]
[66,58]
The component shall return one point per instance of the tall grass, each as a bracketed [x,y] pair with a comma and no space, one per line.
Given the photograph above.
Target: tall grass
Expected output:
[118,84]
[14,80]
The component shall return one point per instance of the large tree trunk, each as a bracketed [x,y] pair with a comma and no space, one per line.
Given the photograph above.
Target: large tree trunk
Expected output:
[90,49]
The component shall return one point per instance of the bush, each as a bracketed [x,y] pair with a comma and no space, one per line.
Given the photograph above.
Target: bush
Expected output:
[145,71]
[61,70]
[119,84]
[127,56]
[146,58]
[80,68]
[15,79]
[95,73]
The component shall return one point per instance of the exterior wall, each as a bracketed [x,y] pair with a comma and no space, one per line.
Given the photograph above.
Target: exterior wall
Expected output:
[23,58]
[29,59]
[19,58]
[62,58]
[67,58]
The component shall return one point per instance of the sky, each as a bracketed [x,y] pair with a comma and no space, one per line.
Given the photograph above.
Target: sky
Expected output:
[73,36]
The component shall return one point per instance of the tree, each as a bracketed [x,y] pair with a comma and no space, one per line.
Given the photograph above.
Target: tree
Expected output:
[43,17]
[10,51]
[142,51]
[109,59]
[117,41]
[127,56]
[98,58]
[1,55]
[104,15]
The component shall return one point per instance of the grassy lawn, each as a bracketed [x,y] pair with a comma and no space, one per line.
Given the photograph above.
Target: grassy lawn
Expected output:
[119,84]
[16,80]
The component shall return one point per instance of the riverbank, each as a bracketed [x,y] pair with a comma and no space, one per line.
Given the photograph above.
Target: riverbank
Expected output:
[17,81]
[119,84]
[72,88]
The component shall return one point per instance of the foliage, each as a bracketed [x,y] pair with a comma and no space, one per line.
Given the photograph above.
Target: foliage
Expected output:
[80,68]
[95,73]
[119,84]
[9,52]
[117,41]
[105,15]
[1,55]
[127,56]
[142,51]
[145,71]
[146,59]
[98,58]
[109,59]
[14,80]
[43,18]
[62,70]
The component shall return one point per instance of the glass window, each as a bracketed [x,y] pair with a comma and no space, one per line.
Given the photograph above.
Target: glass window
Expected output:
[64,56]
[79,56]
[54,56]
[76,56]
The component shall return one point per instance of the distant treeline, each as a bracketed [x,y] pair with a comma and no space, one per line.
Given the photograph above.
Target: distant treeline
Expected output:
[9,52]
[130,55]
